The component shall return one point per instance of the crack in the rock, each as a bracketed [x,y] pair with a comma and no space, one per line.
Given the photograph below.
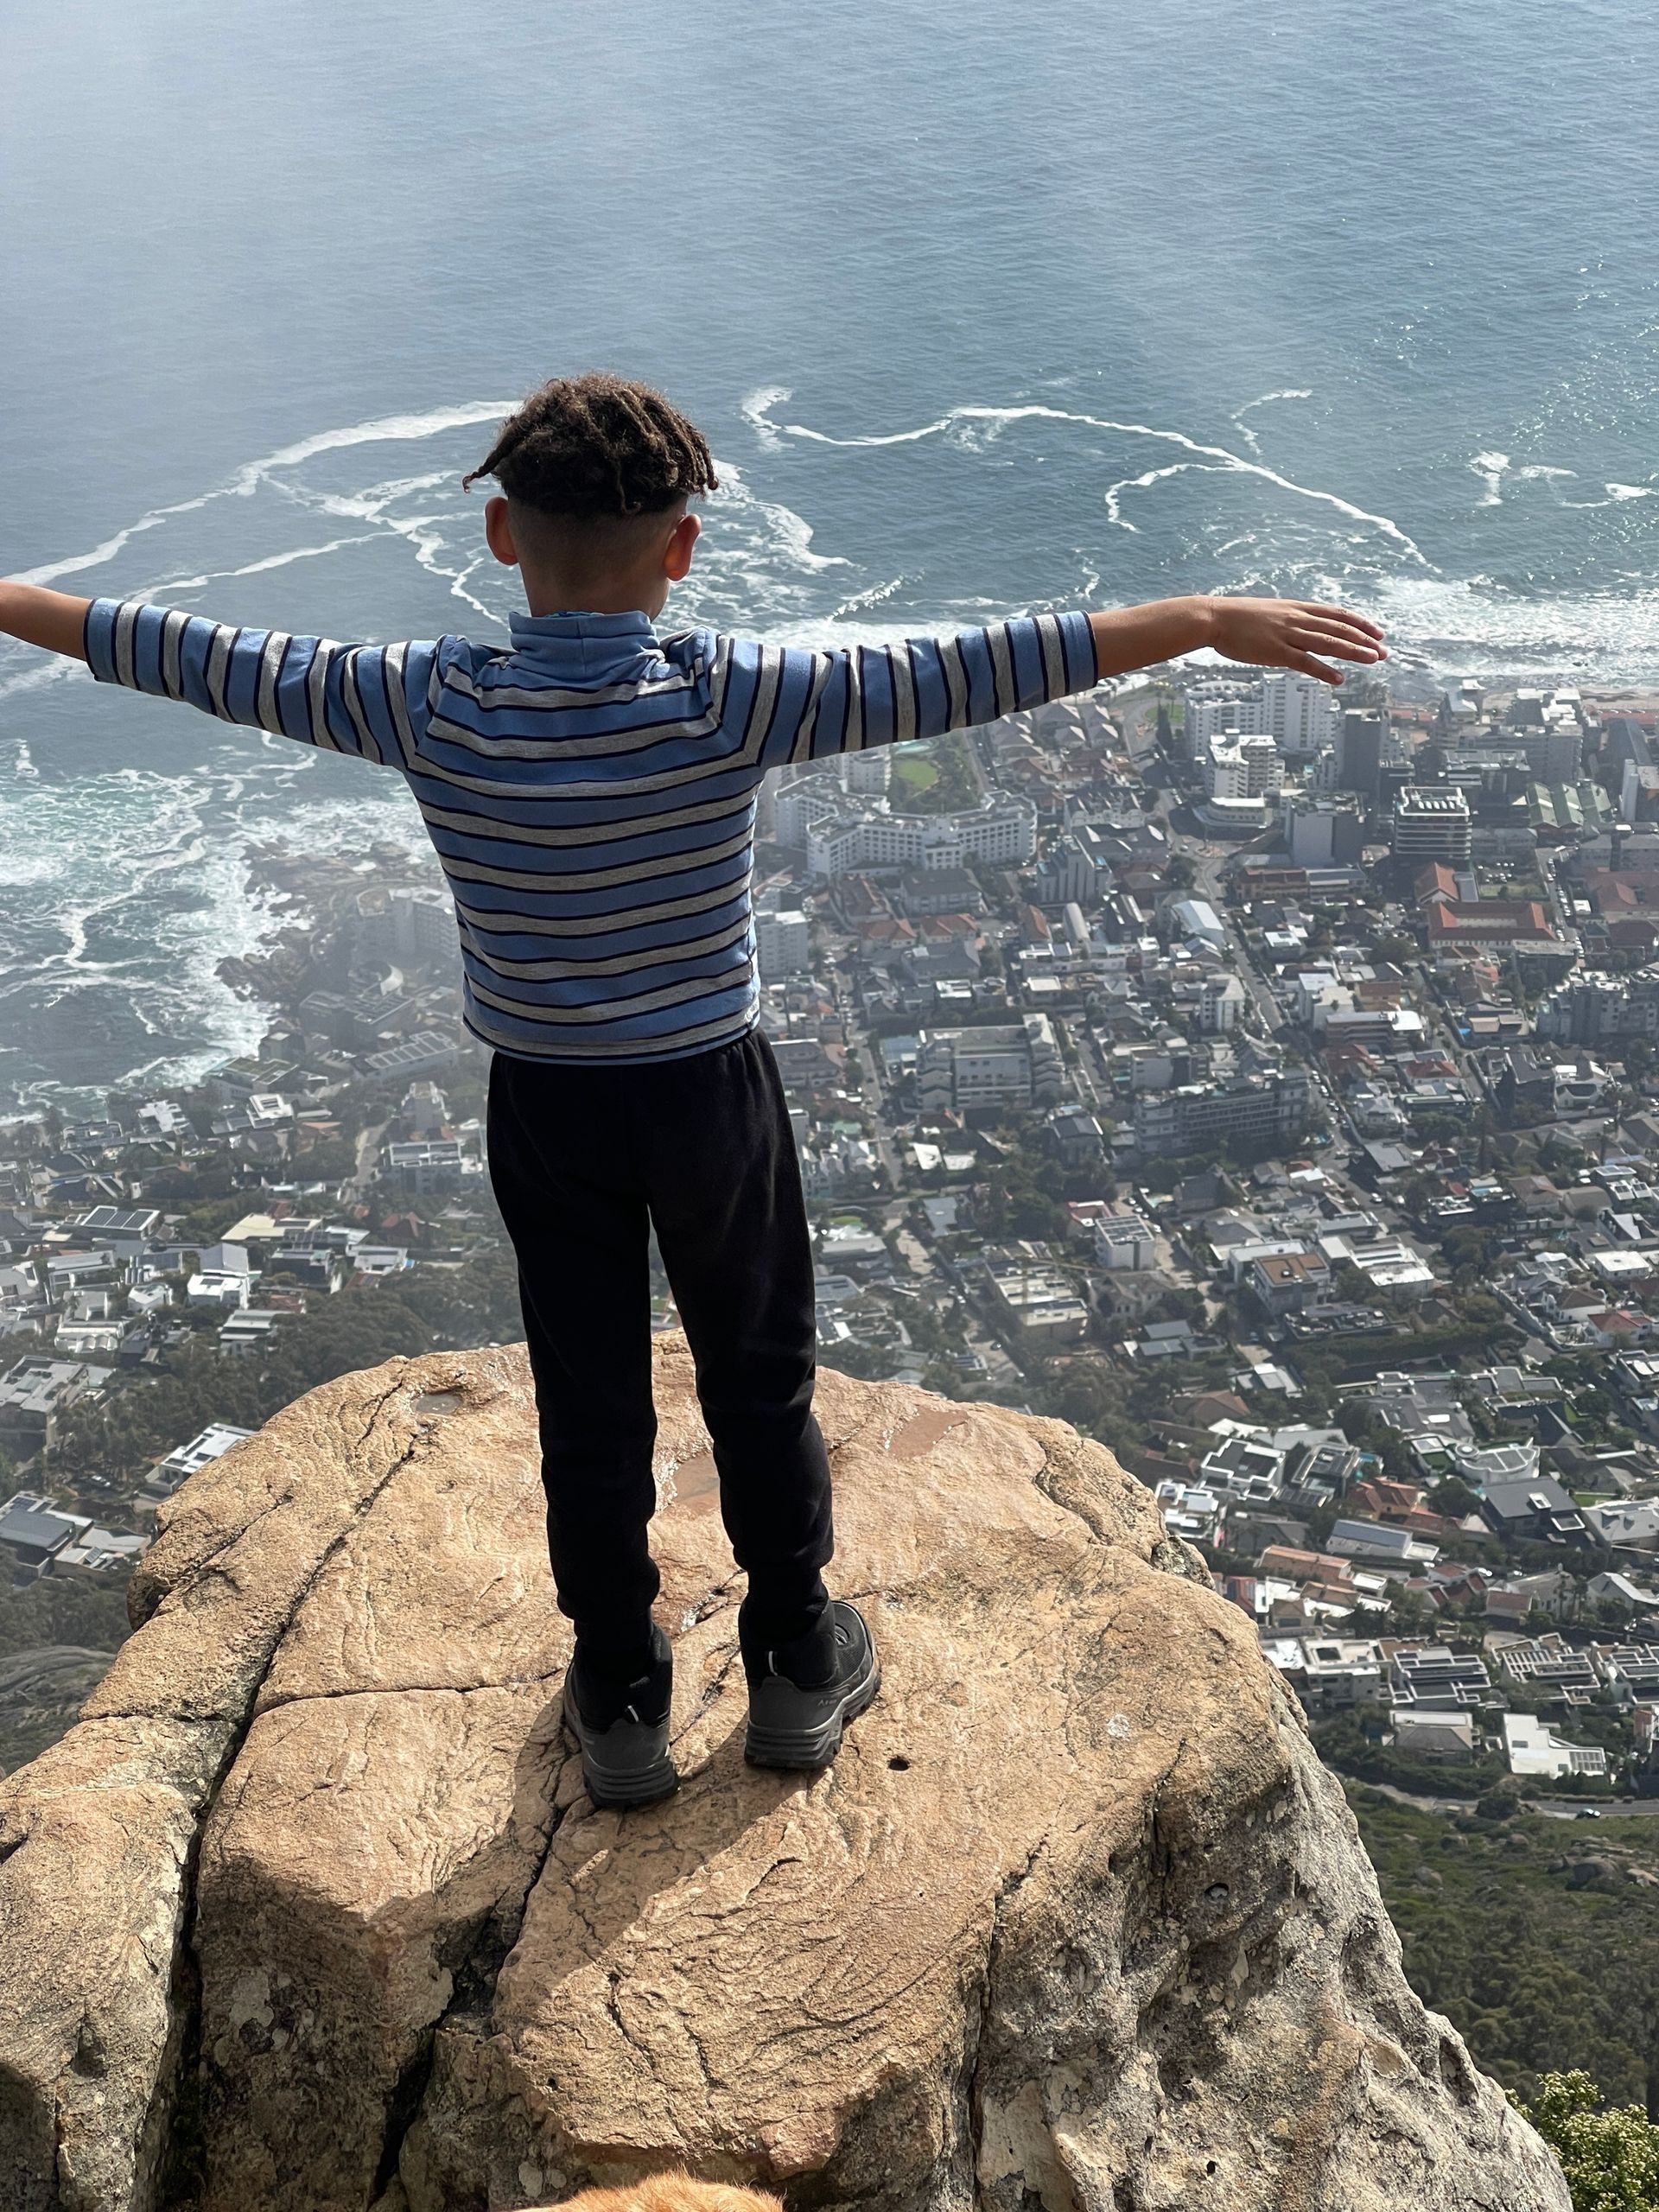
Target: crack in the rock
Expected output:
[178,2187]
[709,1696]
[971,2093]
[474,1981]
[280,1704]
[207,1564]
[613,1980]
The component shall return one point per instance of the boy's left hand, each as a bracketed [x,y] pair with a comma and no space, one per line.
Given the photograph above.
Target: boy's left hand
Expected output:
[1291,633]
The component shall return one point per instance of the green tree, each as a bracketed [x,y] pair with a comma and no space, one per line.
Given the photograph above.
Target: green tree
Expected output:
[1453,1497]
[1610,2155]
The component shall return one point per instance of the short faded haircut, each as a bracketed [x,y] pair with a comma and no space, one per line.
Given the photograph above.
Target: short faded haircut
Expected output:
[598,447]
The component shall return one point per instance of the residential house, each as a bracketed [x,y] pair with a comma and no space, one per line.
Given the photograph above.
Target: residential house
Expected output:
[1535,1510]
[1449,1737]
[1433,1678]
[1285,1282]
[35,1391]
[1546,1663]
[1535,1750]
[1630,1524]
[34,1531]
[213,1441]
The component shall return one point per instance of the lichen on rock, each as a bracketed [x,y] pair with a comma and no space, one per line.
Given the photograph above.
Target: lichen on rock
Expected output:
[1077,1919]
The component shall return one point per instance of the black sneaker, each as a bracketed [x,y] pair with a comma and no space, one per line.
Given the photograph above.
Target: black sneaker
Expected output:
[801,1695]
[622,1728]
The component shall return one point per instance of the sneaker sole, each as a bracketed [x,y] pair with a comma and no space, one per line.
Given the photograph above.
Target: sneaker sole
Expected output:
[809,1750]
[615,1792]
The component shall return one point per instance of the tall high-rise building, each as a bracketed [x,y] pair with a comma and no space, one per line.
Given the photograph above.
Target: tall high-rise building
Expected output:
[783,944]
[1362,740]
[1297,713]
[1243,767]
[1432,823]
[1322,832]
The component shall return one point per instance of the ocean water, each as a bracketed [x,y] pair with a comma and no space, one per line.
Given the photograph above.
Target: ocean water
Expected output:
[983,310]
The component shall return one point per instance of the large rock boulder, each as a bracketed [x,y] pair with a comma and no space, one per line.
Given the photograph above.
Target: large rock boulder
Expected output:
[309,1912]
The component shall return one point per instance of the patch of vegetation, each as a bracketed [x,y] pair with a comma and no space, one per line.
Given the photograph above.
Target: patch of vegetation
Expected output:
[1538,1939]
[912,771]
[61,1609]
[1610,2154]
[430,1309]
[952,788]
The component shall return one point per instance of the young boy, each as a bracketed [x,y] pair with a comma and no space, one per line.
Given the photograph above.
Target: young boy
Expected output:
[590,792]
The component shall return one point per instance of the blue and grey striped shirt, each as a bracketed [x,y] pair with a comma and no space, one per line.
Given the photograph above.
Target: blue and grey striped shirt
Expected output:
[591,791]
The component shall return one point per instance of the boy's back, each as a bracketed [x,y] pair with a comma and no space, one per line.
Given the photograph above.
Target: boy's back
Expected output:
[590,793]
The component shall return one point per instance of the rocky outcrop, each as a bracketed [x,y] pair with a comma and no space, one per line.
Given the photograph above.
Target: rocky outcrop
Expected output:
[309,1913]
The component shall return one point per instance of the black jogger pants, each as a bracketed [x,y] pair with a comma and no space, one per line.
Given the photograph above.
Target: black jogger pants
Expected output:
[584,1161]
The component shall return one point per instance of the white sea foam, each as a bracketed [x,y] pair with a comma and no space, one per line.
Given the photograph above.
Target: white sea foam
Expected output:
[757,409]
[1491,467]
[259,568]
[163,894]
[1267,399]
[38,673]
[761,416]
[1114,491]
[1476,626]
[247,479]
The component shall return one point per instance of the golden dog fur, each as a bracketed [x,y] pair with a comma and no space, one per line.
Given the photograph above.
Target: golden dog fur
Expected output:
[674,2192]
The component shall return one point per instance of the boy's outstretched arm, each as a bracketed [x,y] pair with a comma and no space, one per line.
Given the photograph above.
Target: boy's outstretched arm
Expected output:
[1294,634]
[811,705]
[49,619]
[371,701]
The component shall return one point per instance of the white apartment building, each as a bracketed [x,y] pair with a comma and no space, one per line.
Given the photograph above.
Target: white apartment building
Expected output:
[1555,753]
[1243,767]
[783,944]
[1295,711]
[866,773]
[1221,1000]
[797,804]
[1124,1241]
[1216,707]
[423,925]
[1002,833]
[1590,1005]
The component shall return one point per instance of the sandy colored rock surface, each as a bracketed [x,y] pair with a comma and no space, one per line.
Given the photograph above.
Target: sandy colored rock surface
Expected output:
[1077,1919]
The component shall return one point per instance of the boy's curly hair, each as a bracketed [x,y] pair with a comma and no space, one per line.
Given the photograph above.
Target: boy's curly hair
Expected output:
[598,445]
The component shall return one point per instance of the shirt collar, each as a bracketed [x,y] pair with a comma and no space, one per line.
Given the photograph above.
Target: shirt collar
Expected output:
[530,630]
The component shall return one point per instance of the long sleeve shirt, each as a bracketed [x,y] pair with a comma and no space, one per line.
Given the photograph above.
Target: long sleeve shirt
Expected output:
[591,791]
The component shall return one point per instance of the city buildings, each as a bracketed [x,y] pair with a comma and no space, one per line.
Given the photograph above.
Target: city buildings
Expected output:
[1009,1064]
[1203,1116]
[1323,831]
[783,944]
[1000,833]
[1431,823]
